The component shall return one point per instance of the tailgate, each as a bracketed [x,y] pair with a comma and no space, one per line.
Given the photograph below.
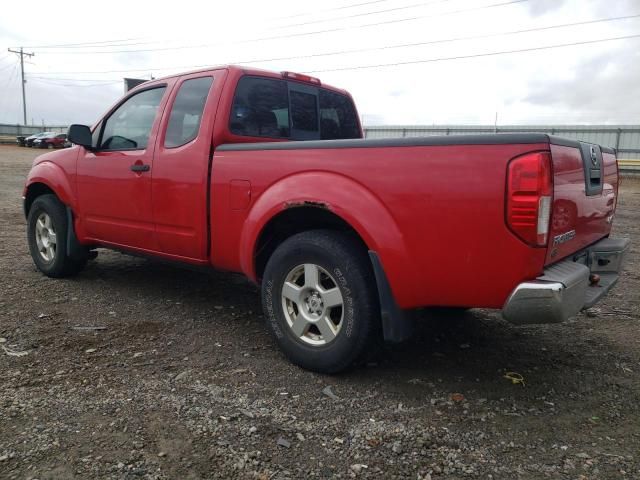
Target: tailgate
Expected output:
[585,188]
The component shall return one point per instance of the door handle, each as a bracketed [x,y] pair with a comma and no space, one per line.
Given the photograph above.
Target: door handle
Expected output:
[138,167]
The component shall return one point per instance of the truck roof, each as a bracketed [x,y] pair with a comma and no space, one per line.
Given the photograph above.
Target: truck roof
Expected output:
[241,71]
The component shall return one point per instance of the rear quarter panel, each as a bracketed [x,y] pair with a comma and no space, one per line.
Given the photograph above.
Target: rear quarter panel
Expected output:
[445,202]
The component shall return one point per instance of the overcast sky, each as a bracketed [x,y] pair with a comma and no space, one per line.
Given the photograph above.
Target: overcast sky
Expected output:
[84,49]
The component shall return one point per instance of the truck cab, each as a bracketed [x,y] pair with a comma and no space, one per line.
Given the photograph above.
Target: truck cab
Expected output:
[154,149]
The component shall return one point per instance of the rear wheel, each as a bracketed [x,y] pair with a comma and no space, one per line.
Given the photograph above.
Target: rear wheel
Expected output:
[320,300]
[47,237]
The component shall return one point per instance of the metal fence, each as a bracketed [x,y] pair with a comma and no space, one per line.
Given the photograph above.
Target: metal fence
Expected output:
[12,130]
[624,138]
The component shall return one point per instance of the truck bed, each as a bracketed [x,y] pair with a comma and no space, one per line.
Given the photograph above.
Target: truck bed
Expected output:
[442,198]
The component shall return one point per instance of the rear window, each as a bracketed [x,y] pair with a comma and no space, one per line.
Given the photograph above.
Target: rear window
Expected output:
[304,111]
[265,107]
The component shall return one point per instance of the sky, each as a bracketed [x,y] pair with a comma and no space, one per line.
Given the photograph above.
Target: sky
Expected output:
[406,62]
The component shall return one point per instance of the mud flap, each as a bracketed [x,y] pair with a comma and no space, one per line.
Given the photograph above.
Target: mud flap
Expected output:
[396,325]
[74,250]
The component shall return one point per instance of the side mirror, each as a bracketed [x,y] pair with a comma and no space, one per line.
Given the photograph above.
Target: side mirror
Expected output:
[80,135]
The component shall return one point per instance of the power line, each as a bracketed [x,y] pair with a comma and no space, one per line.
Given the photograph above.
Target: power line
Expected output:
[369,49]
[444,40]
[146,69]
[460,57]
[109,45]
[7,67]
[477,55]
[303,34]
[72,79]
[9,80]
[343,7]
[363,14]
[7,85]
[431,42]
[82,44]
[58,84]
[118,42]
[12,76]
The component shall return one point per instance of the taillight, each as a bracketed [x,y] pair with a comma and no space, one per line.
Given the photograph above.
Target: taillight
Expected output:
[529,195]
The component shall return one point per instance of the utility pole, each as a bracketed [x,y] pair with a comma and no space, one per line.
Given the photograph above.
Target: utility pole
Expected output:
[24,98]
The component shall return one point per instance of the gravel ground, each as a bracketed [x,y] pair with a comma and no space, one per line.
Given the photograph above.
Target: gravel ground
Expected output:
[177,378]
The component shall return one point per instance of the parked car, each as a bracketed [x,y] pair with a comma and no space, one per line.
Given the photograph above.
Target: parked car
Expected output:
[31,139]
[55,140]
[20,140]
[343,236]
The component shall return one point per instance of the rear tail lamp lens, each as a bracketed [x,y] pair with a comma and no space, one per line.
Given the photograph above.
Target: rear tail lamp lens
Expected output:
[529,196]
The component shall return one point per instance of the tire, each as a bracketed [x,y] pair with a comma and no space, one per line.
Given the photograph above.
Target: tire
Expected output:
[47,237]
[325,325]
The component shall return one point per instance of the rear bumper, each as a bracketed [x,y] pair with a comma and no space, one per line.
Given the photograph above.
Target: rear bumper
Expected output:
[565,288]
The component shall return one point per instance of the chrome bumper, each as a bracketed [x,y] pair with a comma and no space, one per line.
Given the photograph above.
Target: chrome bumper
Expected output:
[565,288]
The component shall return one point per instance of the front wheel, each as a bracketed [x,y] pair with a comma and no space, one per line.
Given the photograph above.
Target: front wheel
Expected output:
[47,237]
[320,300]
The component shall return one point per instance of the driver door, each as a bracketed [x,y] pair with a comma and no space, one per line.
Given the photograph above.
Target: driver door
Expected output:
[114,180]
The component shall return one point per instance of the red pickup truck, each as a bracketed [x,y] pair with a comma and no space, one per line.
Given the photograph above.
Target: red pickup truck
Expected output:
[344,235]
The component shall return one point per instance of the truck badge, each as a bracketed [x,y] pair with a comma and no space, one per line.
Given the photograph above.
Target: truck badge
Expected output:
[563,237]
[594,157]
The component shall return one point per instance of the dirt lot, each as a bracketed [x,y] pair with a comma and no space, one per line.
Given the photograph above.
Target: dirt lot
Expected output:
[182,381]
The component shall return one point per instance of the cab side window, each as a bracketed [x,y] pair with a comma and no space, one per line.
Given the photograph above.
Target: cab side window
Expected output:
[186,112]
[260,108]
[268,107]
[129,127]
[338,119]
